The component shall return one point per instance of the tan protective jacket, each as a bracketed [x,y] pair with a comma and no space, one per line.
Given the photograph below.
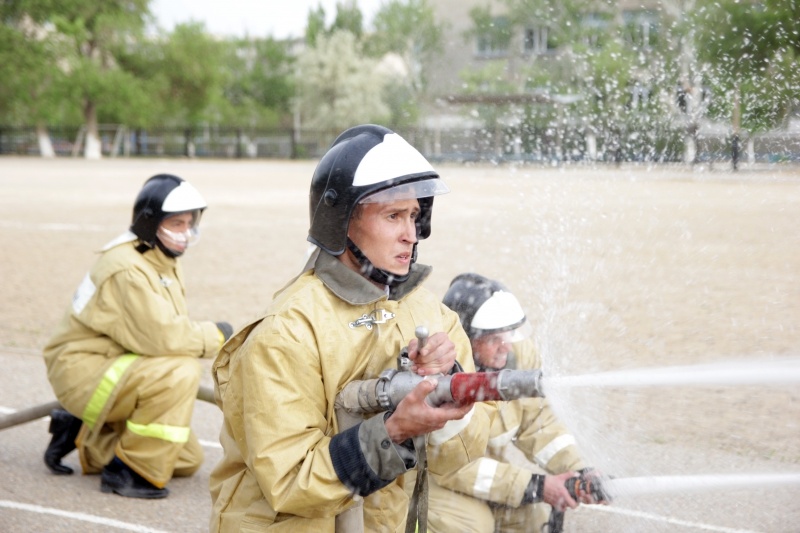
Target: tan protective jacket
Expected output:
[530,425]
[277,380]
[130,307]
[128,303]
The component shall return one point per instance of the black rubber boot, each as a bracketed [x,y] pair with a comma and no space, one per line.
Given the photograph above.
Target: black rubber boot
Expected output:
[64,428]
[119,478]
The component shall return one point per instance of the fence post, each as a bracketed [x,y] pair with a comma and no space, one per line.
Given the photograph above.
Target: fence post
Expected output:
[188,149]
[138,144]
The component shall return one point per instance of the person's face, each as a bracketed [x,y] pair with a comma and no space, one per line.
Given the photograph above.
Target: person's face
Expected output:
[175,232]
[492,350]
[386,234]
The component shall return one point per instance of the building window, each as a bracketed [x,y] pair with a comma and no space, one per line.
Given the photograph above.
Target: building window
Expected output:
[641,28]
[494,39]
[595,27]
[535,41]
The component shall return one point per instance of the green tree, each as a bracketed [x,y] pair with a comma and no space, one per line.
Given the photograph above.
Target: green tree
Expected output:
[751,51]
[348,18]
[182,76]
[315,24]
[33,86]
[94,57]
[95,32]
[337,85]
[406,30]
[192,65]
[260,83]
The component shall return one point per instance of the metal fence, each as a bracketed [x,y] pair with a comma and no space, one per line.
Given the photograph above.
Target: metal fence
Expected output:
[525,144]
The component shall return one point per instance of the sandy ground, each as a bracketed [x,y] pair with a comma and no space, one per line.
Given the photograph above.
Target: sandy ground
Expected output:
[631,268]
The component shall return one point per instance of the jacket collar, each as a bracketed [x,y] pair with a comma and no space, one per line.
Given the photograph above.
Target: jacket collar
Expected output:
[161,261]
[354,288]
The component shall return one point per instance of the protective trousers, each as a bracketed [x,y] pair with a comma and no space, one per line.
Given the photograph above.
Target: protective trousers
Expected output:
[141,412]
[453,512]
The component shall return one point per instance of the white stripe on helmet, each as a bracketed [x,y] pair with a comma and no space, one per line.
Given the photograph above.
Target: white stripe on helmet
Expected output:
[501,310]
[182,198]
[392,158]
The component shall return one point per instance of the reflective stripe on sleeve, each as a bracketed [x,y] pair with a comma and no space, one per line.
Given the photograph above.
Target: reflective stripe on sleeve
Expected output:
[450,429]
[107,385]
[160,431]
[554,446]
[483,481]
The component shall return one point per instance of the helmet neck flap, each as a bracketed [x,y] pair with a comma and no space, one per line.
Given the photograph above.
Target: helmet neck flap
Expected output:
[376,274]
[169,253]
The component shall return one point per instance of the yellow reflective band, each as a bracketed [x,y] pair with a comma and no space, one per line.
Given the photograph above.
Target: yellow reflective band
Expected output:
[160,431]
[107,385]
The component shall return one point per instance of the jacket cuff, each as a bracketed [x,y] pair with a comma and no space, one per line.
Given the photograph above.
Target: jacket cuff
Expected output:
[365,458]
[211,338]
[534,492]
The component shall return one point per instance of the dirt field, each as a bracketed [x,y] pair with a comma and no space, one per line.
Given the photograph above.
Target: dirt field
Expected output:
[619,268]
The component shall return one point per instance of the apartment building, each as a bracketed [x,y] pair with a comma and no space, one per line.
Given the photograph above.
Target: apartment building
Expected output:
[499,44]
[466,48]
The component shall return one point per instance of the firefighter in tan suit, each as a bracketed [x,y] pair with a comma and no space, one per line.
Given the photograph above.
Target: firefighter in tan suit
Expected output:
[123,361]
[288,463]
[496,492]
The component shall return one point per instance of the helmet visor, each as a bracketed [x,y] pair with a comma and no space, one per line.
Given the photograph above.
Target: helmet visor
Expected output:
[178,241]
[508,336]
[407,191]
[178,232]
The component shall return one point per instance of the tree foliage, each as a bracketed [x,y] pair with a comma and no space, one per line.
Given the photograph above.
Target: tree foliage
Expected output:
[315,24]
[408,31]
[338,85]
[75,43]
[95,32]
[74,61]
[348,18]
[751,50]
[33,87]
[259,84]
[191,63]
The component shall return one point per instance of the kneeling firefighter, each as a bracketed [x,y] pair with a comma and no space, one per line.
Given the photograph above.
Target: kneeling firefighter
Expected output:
[494,493]
[123,361]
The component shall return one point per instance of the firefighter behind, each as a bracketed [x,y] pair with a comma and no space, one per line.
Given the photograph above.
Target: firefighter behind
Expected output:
[491,493]
[123,361]
[288,463]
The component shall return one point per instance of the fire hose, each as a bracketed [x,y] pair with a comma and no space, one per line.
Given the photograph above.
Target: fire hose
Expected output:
[370,396]
[39,411]
[587,484]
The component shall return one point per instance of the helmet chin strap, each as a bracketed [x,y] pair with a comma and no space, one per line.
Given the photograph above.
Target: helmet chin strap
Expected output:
[169,253]
[376,274]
